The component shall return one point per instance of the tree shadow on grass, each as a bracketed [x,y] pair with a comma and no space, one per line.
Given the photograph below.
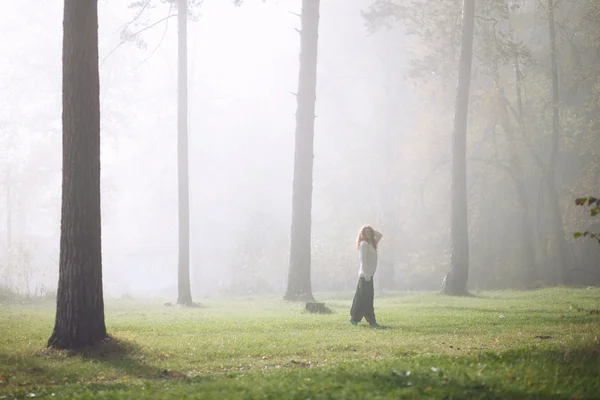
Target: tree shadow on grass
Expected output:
[125,357]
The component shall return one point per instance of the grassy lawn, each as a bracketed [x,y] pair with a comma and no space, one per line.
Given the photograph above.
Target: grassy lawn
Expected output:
[542,344]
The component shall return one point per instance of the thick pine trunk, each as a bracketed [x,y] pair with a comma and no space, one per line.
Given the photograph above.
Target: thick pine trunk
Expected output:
[184,294]
[80,305]
[456,280]
[299,283]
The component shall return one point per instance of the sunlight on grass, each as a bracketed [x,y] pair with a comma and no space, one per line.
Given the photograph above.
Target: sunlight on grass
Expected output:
[500,344]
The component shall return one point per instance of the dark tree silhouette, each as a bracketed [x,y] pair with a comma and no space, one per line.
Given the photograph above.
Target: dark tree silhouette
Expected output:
[80,304]
[299,283]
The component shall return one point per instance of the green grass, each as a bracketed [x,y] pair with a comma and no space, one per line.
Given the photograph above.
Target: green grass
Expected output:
[430,347]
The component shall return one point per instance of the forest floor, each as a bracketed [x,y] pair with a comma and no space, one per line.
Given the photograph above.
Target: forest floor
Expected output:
[538,344]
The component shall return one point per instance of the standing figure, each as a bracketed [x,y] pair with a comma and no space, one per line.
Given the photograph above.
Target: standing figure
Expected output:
[362,306]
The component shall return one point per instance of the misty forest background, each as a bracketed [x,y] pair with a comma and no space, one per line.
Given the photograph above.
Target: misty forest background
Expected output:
[386,88]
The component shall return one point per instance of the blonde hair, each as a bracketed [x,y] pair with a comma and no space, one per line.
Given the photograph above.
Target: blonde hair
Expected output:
[363,237]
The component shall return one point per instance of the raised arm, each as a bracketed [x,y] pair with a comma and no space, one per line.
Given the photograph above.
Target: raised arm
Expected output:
[377,236]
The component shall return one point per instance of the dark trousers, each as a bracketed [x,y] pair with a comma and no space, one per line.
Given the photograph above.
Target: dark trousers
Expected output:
[362,305]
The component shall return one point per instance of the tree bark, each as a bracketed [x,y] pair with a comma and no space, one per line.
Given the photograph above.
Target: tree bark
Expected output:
[80,304]
[299,281]
[455,282]
[184,294]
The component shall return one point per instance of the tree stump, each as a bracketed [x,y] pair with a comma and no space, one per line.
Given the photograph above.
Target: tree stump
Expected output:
[316,308]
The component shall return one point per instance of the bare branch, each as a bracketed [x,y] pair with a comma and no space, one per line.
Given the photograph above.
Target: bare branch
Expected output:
[139,14]
[161,39]
[135,34]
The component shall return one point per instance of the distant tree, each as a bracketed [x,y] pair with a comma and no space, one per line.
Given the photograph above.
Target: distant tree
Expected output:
[502,50]
[533,124]
[559,274]
[80,305]
[184,8]
[184,296]
[299,283]
[7,273]
[455,282]
[434,23]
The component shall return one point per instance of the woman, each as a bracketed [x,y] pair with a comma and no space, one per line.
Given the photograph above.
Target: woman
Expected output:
[362,306]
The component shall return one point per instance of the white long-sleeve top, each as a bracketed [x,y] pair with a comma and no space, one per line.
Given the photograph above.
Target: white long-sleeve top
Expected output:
[367,257]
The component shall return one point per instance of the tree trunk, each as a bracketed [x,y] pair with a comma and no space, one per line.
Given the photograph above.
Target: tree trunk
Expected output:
[527,233]
[299,283]
[517,173]
[533,273]
[9,251]
[559,273]
[184,294]
[456,280]
[80,305]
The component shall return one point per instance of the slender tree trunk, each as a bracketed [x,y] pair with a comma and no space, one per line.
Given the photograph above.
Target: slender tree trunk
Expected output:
[184,294]
[531,270]
[9,251]
[456,280]
[527,232]
[299,283]
[559,275]
[555,95]
[80,305]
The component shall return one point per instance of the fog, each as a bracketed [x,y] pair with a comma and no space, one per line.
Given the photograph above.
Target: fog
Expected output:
[382,153]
